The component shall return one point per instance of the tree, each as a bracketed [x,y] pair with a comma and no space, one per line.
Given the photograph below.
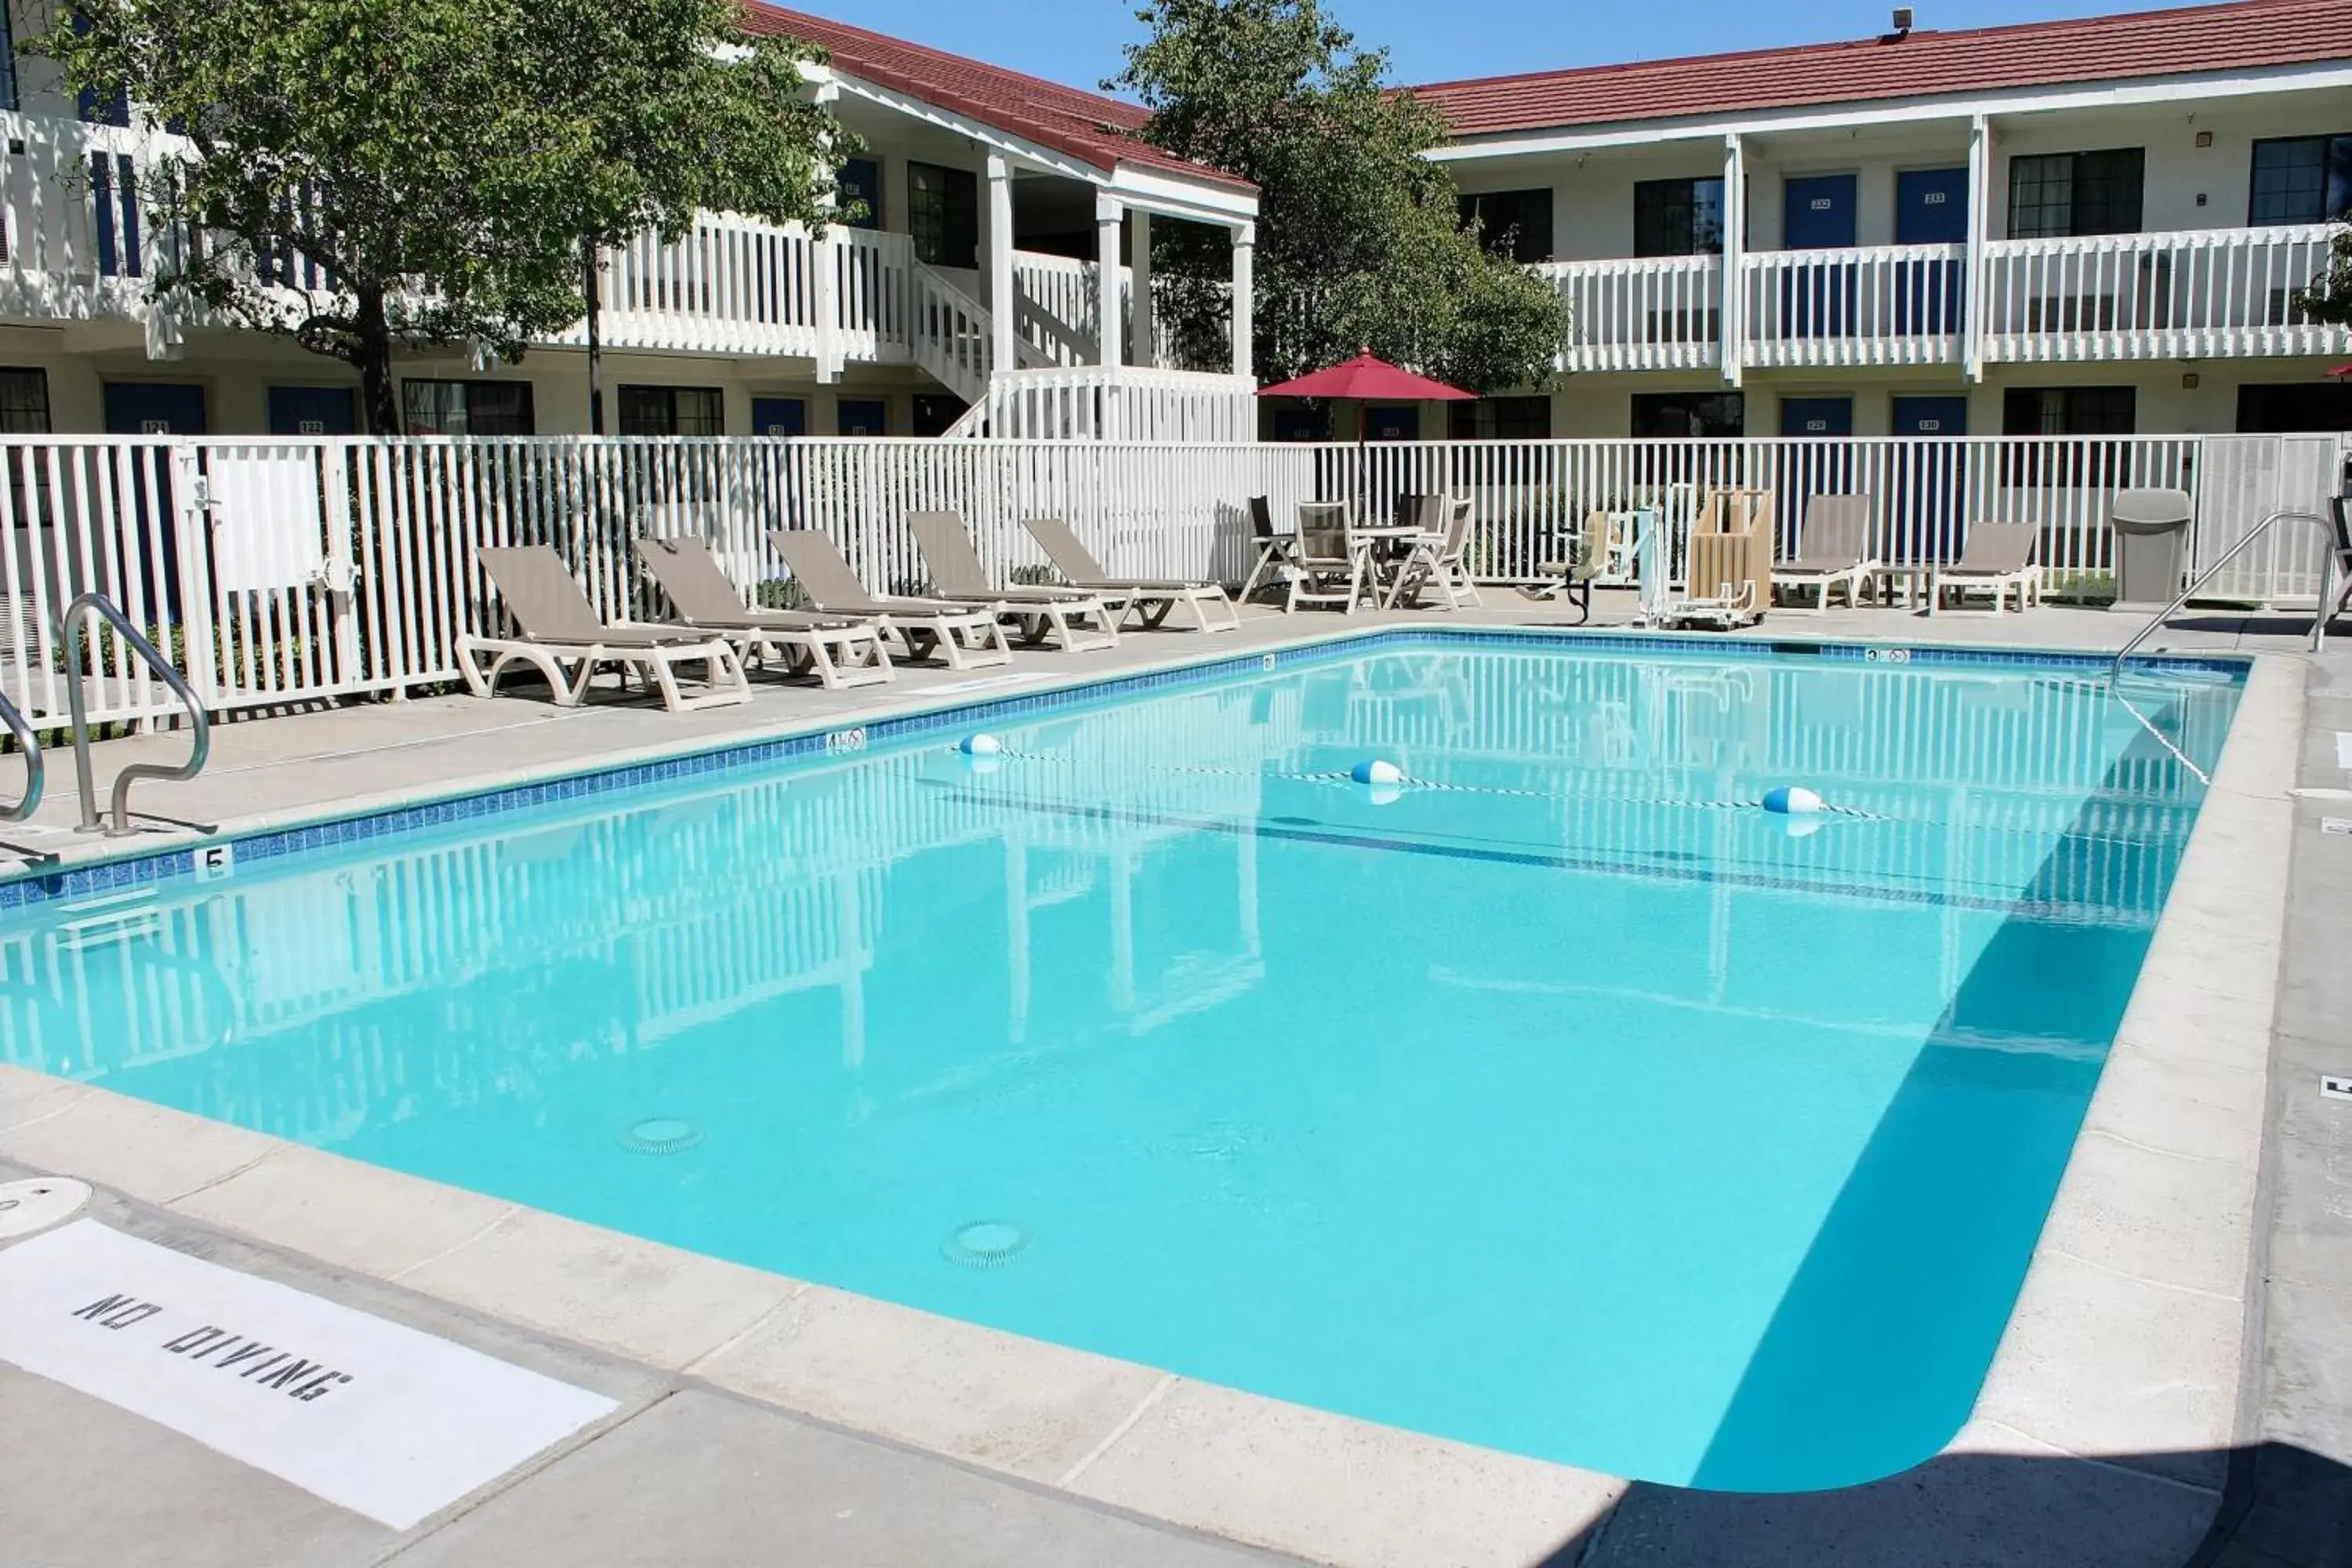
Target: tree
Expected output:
[684,112]
[1360,243]
[366,176]
[2330,296]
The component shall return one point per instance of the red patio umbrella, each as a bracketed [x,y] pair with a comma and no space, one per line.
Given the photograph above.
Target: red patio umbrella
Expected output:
[1365,380]
[2341,370]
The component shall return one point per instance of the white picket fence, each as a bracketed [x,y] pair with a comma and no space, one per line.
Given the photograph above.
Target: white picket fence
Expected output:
[295,570]
[1530,497]
[282,571]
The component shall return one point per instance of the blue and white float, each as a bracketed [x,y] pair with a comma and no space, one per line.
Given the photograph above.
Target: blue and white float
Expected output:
[980,746]
[1383,781]
[1791,800]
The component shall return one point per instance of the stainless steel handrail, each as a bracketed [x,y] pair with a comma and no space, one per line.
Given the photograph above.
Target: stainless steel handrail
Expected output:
[104,609]
[2319,618]
[36,769]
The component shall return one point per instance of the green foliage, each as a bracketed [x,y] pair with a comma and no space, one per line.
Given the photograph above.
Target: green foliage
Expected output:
[1359,243]
[442,160]
[2329,298]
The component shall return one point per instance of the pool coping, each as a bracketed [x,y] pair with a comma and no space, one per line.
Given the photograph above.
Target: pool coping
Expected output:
[2127,1344]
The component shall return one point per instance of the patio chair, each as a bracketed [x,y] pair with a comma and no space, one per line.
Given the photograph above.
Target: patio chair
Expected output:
[1275,550]
[1832,550]
[957,575]
[1151,598]
[1998,556]
[961,635]
[840,651]
[2339,515]
[555,625]
[1332,562]
[1574,577]
[1439,560]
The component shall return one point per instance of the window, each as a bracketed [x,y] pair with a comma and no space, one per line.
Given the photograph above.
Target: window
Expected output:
[2067,411]
[934,411]
[672,411]
[2064,194]
[859,184]
[7,62]
[2294,406]
[943,215]
[466,407]
[2302,179]
[1678,217]
[1499,419]
[1681,415]
[24,402]
[1514,224]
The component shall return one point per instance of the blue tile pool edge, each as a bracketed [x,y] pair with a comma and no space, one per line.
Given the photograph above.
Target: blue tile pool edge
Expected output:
[133,867]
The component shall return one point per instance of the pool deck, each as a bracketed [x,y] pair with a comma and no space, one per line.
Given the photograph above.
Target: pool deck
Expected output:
[2174,1381]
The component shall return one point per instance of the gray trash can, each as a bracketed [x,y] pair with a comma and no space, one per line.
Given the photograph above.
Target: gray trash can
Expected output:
[2151,547]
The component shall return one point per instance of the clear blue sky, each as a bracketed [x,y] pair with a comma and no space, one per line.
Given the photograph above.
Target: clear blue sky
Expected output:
[1078,41]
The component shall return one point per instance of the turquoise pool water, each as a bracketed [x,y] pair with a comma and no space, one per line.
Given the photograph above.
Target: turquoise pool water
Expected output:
[1566,1103]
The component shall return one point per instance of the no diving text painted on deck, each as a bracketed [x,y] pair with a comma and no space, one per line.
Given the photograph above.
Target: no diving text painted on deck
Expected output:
[376,1418]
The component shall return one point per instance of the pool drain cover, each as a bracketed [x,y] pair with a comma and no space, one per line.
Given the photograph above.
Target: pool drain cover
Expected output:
[986,1243]
[38,1203]
[661,1135]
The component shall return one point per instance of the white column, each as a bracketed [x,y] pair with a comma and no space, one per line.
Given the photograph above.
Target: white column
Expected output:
[1108,212]
[1735,247]
[1139,302]
[1244,306]
[1003,304]
[1972,276]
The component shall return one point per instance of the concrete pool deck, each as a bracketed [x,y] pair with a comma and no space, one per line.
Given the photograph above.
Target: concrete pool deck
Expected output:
[2105,1425]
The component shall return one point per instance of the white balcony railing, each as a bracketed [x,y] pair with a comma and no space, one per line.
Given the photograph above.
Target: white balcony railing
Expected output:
[1657,312]
[1885,304]
[2201,293]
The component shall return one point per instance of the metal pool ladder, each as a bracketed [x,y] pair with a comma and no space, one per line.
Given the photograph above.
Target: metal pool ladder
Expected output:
[98,606]
[36,769]
[2318,619]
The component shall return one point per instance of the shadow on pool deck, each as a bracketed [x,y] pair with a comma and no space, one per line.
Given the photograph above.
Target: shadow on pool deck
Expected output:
[2285,1507]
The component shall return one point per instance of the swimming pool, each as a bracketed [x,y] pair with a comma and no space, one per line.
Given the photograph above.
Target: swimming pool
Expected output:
[1567,1102]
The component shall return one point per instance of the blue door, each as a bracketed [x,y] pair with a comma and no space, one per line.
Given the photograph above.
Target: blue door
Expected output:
[1929,475]
[312,411]
[1817,213]
[1817,416]
[1397,422]
[861,416]
[151,408]
[1931,207]
[1818,462]
[779,416]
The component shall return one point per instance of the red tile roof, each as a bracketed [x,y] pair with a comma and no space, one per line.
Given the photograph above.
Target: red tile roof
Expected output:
[2246,34]
[1095,130]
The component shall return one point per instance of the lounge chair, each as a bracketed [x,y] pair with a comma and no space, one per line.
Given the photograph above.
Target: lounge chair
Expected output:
[1276,552]
[1151,598]
[1832,550]
[1331,565]
[1574,577]
[1998,556]
[957,575]
[1438,559]
[839,650]
[963,636]
[556,626]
